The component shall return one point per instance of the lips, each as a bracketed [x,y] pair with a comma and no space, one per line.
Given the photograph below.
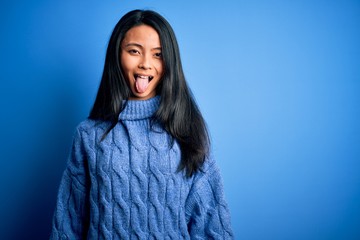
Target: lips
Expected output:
[142,82]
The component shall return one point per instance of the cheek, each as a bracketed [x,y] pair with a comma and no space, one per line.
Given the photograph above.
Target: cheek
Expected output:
[125,66]
[123,59]
[160,68]
[125,70]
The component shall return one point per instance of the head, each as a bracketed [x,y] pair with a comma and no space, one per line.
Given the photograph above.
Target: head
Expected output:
[114,86]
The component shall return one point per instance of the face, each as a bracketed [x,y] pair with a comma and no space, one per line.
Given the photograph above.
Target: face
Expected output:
[141,61]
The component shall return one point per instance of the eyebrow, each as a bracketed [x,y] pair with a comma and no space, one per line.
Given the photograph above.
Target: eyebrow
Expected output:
[140,46]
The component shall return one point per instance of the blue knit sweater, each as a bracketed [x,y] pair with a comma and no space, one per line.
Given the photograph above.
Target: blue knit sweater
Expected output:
[128,187]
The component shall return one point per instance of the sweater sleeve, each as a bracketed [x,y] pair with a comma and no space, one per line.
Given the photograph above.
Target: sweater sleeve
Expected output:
[207,212]
[70,216]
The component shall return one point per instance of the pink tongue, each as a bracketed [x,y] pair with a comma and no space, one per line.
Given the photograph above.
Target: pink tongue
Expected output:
[142,84]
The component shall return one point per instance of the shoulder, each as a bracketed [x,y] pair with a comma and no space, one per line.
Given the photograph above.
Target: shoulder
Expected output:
[90,130]
[207,170]
[89,126]
[208,174]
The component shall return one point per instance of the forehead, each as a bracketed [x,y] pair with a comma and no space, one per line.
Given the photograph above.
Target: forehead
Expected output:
[142,34]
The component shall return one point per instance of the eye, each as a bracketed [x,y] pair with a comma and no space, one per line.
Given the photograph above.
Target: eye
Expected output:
[158,55]
[133,51]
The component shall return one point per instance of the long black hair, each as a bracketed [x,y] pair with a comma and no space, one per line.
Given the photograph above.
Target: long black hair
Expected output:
[178,111]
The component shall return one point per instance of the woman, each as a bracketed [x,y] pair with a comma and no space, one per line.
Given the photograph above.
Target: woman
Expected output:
[140,166]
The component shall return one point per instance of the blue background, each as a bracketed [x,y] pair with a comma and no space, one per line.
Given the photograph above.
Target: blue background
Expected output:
[277,81]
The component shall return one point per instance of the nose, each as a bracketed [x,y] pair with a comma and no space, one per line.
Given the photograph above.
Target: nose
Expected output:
[145,62]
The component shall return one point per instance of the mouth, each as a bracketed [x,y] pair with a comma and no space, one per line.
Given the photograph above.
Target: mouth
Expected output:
[142,82]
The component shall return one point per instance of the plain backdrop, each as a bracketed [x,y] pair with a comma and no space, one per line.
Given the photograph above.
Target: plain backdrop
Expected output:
[278,83]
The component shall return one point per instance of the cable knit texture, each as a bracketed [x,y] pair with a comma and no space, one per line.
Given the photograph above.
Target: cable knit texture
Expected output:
[128,187]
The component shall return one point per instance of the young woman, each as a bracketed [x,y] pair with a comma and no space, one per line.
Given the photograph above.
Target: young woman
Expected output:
[140,166]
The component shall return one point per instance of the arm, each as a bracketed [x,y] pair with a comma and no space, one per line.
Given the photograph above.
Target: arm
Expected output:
[70,217]
[206,209]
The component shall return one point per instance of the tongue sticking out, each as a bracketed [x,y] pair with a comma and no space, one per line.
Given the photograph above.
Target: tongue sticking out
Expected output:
[142,84]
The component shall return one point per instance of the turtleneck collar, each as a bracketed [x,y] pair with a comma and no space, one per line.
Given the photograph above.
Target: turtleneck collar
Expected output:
[140,109]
